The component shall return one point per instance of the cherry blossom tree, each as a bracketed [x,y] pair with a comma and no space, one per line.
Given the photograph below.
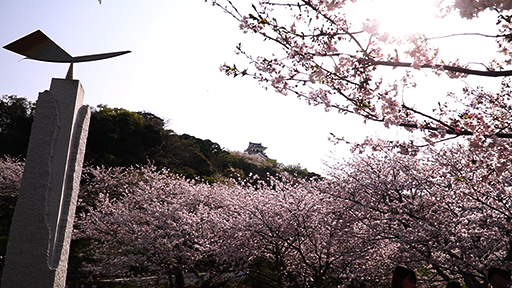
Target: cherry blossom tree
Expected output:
[307,236]
[148,222]
[442,209]
[161,224]
[10,178]
[11,171]
[323,55]
[443,213]
[446,212]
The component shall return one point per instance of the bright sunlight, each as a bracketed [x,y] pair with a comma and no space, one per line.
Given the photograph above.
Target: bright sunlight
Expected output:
[402,17]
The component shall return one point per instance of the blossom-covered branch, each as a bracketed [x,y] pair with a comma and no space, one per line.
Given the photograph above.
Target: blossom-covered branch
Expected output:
[326,58]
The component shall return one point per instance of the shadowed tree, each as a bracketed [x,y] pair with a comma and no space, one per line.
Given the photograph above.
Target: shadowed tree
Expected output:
[118,137]
[16,116]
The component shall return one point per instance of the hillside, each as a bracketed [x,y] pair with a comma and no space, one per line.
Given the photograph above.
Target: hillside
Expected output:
[122,138]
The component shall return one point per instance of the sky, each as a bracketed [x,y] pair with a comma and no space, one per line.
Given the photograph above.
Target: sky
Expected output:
[173,72]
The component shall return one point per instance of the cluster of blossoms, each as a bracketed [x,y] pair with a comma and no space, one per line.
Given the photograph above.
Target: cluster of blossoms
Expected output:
[471,8]
[10,178]
[11,171]
[166,225]
[447,212]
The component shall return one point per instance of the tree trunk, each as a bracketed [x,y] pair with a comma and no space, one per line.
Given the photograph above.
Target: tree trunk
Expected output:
[171,279]
[176,277]
[472,282]
[179,277]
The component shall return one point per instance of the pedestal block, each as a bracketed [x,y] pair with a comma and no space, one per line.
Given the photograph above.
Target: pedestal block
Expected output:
[38,246]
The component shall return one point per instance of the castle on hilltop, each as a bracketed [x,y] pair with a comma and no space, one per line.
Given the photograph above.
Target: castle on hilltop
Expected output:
[256,148]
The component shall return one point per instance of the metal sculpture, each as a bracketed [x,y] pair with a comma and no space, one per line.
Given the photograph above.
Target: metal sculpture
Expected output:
[38,46]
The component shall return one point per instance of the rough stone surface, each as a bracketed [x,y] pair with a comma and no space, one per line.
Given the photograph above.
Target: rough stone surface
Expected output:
[38,247]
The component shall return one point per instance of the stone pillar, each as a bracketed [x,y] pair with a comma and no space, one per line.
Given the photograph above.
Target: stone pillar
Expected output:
[38,247]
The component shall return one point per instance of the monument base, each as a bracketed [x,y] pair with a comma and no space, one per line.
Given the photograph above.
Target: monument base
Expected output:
[38,246]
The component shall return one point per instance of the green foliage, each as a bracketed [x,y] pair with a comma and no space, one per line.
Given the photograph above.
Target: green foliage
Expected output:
[118,137]
[299,171]
[16,117]
[121,138]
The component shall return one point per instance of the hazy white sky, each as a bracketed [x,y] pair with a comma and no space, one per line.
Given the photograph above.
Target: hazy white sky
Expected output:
[173,71]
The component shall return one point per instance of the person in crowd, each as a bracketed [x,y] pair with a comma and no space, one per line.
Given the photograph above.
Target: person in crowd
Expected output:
[403,277]
[499,278]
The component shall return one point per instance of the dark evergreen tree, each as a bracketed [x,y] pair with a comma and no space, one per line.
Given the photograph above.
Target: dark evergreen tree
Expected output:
[16,117]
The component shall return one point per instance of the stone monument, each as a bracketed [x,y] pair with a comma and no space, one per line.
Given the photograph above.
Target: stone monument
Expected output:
[38,246]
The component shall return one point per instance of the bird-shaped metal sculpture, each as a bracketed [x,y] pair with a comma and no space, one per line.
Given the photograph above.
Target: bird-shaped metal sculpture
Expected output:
[38,46]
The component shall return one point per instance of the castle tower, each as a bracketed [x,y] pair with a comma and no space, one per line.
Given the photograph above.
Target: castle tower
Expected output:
[256,148]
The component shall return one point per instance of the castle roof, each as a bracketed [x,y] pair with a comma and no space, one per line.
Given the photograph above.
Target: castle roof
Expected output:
[253,145]
[256,148]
